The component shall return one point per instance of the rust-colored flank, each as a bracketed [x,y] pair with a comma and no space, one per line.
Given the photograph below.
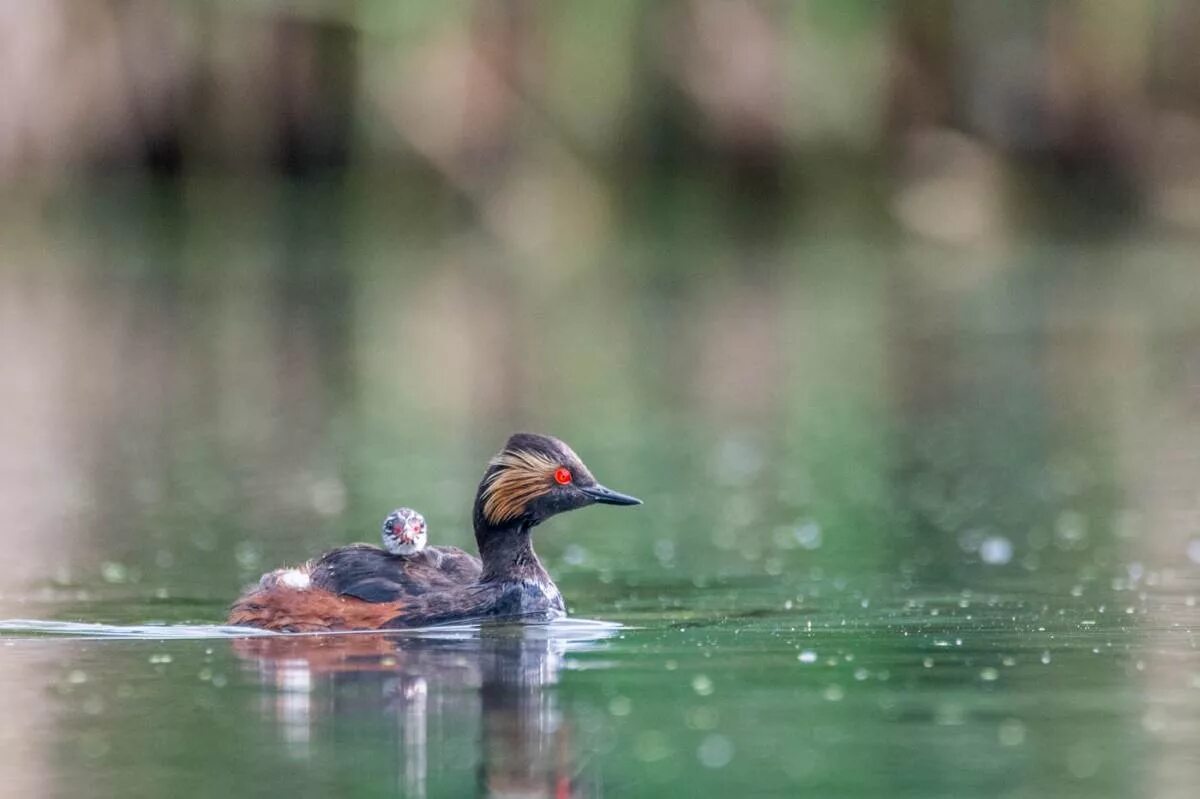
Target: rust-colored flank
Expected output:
[310,610]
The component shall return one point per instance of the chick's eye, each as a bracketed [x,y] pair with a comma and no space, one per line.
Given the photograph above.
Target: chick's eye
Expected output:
[562,475]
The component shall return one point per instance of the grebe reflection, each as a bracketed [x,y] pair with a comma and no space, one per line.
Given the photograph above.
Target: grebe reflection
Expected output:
[487,686]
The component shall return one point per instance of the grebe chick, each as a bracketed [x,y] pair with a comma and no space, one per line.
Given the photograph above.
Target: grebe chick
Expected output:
[533,478]
[404,532]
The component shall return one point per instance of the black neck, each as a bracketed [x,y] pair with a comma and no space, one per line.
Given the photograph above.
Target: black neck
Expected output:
[507,551]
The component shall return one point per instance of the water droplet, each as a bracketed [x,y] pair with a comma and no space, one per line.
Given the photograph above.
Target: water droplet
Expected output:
[736,460]
[664,550]
[575,555]
[247,555]
[620,706]
[702,685]
[113,572]
[1046,656]
[808,535]
[160,658]
[715,751]
[996,550]
[1070,529]
[833,693]
[989,674]
[807,656]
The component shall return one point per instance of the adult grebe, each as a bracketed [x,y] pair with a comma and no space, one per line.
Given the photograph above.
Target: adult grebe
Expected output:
[533,478]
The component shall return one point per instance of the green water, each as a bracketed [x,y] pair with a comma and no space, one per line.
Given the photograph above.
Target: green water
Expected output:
[859,688]
[917,522]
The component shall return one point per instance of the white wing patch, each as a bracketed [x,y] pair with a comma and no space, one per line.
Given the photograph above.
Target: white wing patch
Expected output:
[294,578]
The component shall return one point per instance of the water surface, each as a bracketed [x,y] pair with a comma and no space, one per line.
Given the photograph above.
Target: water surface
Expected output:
[830,685]
[918,522]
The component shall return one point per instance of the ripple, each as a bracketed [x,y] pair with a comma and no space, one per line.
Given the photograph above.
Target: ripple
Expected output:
[39,628]
[568,630]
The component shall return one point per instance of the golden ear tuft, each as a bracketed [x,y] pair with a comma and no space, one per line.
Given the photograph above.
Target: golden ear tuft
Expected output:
[522,476]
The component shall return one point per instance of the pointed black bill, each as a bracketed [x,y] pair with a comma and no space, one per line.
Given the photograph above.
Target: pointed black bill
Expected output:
[606,496]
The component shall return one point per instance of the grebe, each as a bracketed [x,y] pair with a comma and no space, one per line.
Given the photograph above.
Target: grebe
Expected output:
[360,587]
[407,568]
[404,532]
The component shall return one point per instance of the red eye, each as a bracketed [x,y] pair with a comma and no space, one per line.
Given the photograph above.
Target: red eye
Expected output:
[562,475]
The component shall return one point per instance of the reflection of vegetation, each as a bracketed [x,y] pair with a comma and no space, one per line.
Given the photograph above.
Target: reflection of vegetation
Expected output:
[290,383]
[525,112]
[989,451]
[813,440]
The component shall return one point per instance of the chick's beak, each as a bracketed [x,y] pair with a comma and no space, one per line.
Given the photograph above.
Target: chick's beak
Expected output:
[606,496]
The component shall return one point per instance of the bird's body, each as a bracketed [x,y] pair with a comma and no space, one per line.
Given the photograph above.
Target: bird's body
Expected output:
[405,567]
[364,587]
[371,574]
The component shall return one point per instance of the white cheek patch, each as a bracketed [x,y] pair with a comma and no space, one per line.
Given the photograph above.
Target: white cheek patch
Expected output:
[294,578]
[398,547]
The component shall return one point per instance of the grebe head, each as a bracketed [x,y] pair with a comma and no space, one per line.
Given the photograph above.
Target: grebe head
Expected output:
[404,532]
[535,477]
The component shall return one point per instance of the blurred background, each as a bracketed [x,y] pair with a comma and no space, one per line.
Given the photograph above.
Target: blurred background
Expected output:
[899,279]
[847,291]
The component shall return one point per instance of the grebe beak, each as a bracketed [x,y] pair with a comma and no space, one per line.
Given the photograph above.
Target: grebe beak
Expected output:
[606,496]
